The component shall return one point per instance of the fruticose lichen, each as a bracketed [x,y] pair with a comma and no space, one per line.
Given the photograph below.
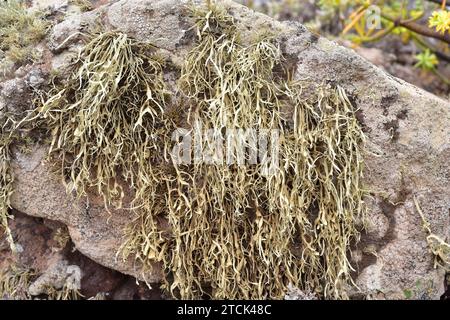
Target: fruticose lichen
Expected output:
[233,229]
[14,283]
[228,231]
[438,247]
[103,120]
[6,178]
[20,31]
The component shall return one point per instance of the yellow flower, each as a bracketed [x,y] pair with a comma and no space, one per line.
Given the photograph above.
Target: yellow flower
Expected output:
[440,20]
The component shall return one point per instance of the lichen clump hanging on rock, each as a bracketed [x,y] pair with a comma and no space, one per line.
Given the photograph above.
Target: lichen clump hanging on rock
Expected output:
[6,178]
[20,32]
[247,234]
[243,229]
[104,120]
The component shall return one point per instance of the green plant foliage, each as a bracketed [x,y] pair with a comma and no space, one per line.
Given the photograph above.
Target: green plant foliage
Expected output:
[333,4]
[426,60]
[408,293]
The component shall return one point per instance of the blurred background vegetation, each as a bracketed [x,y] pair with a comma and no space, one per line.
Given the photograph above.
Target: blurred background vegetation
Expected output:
[410,39]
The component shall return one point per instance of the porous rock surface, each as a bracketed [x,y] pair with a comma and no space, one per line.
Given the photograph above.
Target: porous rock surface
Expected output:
[408,147]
